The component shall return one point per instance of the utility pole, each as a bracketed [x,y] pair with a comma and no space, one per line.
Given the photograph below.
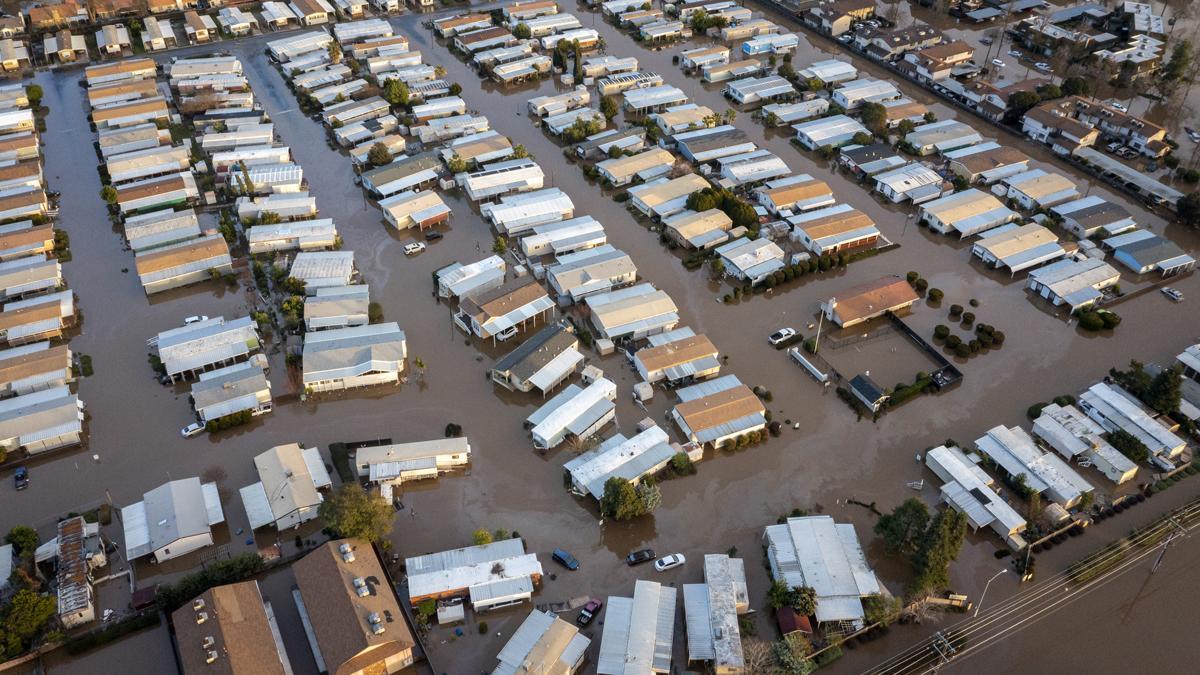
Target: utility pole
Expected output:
[1179,532]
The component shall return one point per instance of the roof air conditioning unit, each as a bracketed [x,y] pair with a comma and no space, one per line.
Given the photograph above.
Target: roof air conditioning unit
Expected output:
[361,588]
[347,553]
[210,657]
[377,628]
[208,642]
[202,617]
[198,604]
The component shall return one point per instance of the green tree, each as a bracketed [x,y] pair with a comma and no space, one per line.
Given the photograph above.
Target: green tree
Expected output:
[28,614]
[519,151]
[609,106]
[621,500]
[1076,86]
[379,155]
[24,540]
[499,246]
[717,268]
[787,71]
[1135,380]
[874,117]
[1129,445]
[480,537]
[351,512]
[395,92]
[1047,92]
[791,655]
[1165,391]
[522,31]
[862,138]
[804,600]
[778,595]
[1020,102]
[905,127]
[1177,68]
[939,547]
[456,164]
[903,529]
[109,194]
[335,52]
[34,93]
[1188,209]
[246,185]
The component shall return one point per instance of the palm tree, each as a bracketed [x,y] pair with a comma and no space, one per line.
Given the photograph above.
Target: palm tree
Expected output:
[730,116]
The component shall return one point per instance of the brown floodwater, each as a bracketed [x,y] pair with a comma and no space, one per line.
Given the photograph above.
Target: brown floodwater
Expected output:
[828,459]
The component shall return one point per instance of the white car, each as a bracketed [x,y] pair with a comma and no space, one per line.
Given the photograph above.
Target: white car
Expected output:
[1118,106]
[1042,66]
[1172,293]
[1014,53]
[998,63]
[414,248]
[193,429]
[781,335]
[194,319]
[506,334]
[669,562]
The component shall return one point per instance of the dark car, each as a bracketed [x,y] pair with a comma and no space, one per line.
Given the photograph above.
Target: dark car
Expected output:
[21,478]
[639,557]
[589,612]
[433,235]
[565,559]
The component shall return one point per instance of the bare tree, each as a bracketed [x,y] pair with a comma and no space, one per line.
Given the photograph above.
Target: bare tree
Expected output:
[758,656]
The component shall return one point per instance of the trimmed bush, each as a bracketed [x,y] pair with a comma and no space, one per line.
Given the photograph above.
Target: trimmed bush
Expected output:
[953,341]
[1035,410]
[940,331]
[921,285]
[936,295]
[956,311]
[968,318]
[998,337]
[962,350]
[1091,321]
[912,277]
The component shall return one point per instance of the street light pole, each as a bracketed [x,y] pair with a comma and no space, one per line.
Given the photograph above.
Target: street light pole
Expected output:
[985,590]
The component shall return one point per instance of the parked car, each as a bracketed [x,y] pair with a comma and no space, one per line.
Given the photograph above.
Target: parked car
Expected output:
[1117,105]
[669,562]
[998,63]
[639,557]
[433,235]
[506,334]
[193,429]
[1192,134]
[194,319]
[1014,53]
[1113,147]
[589,612]
[781,335]
[21,478]
[1043,66]
[986,41]
[565,559]
[414,248]
[1172,293]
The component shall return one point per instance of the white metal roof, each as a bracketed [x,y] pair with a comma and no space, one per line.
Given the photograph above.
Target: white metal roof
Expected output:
[638,631]
[815,551]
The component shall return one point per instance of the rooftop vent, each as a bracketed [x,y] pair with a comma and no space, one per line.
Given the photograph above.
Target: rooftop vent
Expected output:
[202,617]
[210,657]
[208,642]
[197,604]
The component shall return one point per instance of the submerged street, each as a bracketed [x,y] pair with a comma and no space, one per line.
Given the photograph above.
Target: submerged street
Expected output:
[823,458]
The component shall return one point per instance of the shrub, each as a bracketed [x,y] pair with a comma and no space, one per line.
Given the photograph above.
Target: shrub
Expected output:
[998,337]
[953,341]
[962,350]
[483,628]
[1034,411]
[974,346]
[940,331]
[968,318]
[921,285]
[1091,321]
[936,295]
[1110,319]
[912,277]
[955,311]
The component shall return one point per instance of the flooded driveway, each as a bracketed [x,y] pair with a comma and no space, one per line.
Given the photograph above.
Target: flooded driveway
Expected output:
[829,459]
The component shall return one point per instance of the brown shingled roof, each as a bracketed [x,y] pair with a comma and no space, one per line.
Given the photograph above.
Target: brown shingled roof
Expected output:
[674,353]
[158,187]
[873,297]
[237,622]
[504,299]
[35,363]
[790,194]
[339,615]
[836,223]
[11,318]
[719,408]
[42,235]
[202,249]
